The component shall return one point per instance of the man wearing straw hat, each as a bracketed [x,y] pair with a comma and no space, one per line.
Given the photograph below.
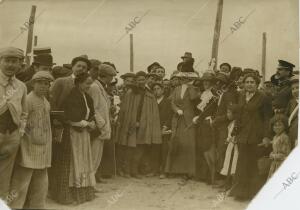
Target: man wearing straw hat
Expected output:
[13,113]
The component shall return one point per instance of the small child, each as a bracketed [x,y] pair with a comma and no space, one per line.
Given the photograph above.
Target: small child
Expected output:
[281,144]
[232,153]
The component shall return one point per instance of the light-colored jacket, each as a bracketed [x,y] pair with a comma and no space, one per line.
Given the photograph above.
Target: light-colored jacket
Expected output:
[102,109]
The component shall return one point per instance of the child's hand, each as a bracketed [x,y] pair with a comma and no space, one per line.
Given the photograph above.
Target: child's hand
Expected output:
[265,142]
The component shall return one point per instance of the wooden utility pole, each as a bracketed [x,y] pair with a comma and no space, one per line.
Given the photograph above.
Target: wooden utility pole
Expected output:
[217,30]
[263,61]
[131,53]
[30,34]
[35,41]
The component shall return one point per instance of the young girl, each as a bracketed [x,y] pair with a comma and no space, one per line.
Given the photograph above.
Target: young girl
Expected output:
[281,143]
[231,156]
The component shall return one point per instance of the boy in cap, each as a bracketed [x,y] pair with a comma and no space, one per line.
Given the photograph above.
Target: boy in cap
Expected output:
[30,178]
[13,113]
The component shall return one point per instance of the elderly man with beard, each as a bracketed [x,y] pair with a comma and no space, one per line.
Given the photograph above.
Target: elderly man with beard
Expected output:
[13,113]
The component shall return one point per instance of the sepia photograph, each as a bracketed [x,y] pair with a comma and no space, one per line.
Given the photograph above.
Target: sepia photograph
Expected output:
[148,104]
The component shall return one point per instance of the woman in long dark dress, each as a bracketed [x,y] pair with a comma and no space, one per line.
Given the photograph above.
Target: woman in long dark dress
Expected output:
[253,126]
[205,133]
[181,159]
[76,174]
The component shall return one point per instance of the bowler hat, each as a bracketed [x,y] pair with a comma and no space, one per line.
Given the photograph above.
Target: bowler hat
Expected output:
[187,55]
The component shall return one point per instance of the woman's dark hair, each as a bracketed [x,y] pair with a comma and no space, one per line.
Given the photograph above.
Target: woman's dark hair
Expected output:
[77,59]
[80,78]
[252,75]
[279,118]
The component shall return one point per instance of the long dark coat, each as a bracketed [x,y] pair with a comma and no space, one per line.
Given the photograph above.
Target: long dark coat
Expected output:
[253,124]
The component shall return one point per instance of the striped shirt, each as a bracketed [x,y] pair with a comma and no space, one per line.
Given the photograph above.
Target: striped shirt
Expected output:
[37,142]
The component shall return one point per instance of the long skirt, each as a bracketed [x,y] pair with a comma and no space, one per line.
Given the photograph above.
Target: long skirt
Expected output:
[274,166]
[246,176]
[183,160]
[204,142]
[60,170]
[61,191]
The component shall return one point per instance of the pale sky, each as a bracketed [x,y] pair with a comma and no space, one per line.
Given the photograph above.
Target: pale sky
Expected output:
[171,27]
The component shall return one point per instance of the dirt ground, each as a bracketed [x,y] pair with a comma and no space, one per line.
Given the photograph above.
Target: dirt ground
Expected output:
[154,193]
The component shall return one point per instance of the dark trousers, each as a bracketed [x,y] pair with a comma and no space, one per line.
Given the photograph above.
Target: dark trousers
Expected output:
[164,153]
[153,157]
[120,157]
[133,157]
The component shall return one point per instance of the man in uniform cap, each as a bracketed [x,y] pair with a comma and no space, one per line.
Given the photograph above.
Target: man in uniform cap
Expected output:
[281,81]
[13,113]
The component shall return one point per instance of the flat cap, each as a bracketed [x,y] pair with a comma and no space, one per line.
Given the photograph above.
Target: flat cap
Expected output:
[141,74]
[126,75]
[42,75]
[105,69]
[11,52]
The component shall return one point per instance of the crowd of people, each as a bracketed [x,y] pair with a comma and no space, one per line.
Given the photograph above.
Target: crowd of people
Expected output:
[65,128]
